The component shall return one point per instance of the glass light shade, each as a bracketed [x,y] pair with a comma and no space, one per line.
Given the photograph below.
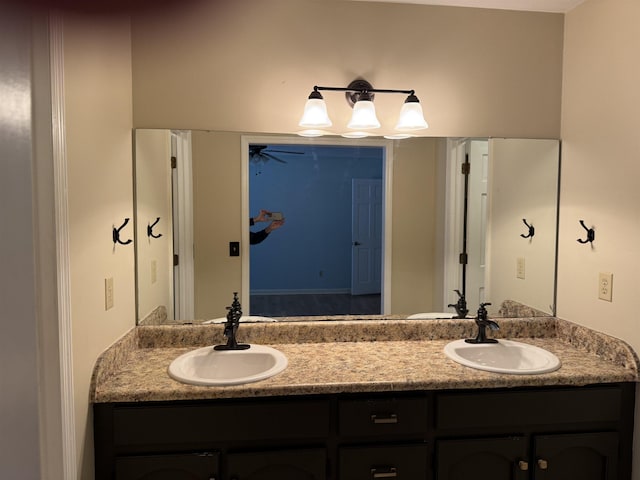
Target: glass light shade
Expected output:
[411,117]
[397,136]
[315,114]
[312,133]
[364,116]
[355,134]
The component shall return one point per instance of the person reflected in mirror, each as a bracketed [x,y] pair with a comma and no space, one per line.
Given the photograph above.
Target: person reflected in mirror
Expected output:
[263,216]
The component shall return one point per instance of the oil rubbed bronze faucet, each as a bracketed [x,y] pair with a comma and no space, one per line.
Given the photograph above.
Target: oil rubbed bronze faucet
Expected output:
[460,305]
[483,322]
[231,327]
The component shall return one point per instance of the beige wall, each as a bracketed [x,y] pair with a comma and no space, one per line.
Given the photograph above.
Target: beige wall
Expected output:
[249,65]
[97,76]
[154,256]
[601,167]
[523,183]
[216,189]
[414,236]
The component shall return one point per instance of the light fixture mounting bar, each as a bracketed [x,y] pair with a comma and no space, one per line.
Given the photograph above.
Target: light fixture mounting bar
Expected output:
[362,90]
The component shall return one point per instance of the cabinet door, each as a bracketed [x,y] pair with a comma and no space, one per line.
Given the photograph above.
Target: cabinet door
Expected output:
[482,459]
[168,467]
[307,464]
[587,456]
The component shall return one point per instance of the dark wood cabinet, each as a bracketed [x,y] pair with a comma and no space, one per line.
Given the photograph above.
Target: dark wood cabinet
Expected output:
[550,433]
[384,462]
[306,464]
[193,466]
[387,415]
[587,456]
[584,456]
[538,434]
[482,459]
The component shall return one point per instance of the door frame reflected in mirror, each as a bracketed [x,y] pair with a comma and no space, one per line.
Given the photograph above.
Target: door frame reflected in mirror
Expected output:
[182,191]
[387,181]
[459,211]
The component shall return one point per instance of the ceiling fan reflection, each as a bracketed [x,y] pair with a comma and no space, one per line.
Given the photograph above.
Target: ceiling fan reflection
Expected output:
[261,154]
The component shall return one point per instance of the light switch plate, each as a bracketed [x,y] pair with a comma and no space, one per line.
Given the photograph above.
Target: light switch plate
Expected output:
[154,271]
[520,268]
[108,293]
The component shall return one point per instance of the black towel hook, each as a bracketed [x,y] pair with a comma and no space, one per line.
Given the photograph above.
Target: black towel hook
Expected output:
[150,229]
[532,231]
[116,234]
[591,234]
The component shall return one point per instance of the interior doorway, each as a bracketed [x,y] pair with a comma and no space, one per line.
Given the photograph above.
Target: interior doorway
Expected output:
[467,168]
[305,266]
[366,236]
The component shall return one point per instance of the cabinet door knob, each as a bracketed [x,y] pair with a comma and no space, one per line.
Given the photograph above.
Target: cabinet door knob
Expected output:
[522,465]
[390,472]
[542,464]
[392,418]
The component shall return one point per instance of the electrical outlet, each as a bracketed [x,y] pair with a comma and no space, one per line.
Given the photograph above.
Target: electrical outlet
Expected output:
[520,270]
[605,286]
[108,293]
[154,271]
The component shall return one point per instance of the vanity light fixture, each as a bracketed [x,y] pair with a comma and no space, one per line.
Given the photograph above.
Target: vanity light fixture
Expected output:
[360,94]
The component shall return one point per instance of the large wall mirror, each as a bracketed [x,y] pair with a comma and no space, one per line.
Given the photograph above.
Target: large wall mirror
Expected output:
[376,227]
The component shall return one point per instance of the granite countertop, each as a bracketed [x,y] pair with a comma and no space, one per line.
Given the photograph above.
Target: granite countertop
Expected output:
[355,356]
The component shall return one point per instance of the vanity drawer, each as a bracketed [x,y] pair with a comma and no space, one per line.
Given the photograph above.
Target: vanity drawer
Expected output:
[382,416]
[384,462]
[209,423]
[471,409]
[185,465]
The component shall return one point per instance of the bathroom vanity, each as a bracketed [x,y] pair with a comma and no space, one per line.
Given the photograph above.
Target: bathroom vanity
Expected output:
[363,400]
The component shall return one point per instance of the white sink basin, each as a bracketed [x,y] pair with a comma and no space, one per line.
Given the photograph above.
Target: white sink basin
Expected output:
[243,318]
[206,366]
[431,315]
[506,356]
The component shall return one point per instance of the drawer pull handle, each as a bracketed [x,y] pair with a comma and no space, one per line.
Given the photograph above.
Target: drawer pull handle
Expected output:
[384,473]
[543,464]
[393,418]
[522,465]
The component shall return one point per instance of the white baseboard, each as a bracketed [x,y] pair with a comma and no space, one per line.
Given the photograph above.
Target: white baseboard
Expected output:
[335,291]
